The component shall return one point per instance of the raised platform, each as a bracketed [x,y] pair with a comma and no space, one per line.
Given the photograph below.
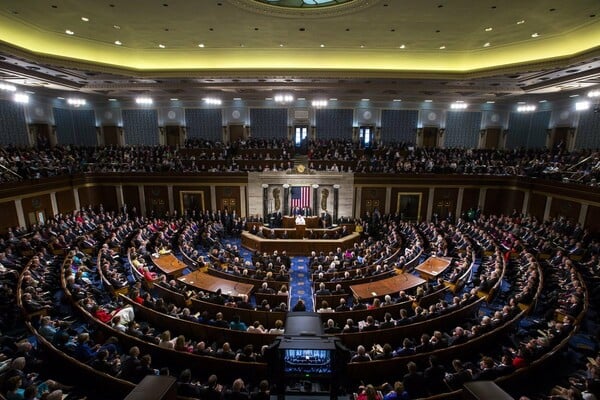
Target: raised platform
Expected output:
[297,247]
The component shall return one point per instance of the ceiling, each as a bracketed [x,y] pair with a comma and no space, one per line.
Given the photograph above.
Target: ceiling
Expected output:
[383,50]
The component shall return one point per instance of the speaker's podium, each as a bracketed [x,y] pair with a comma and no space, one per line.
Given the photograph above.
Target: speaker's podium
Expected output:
[306,362]
[300,230]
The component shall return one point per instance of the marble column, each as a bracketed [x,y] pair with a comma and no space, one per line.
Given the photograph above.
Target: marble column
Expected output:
[336,202]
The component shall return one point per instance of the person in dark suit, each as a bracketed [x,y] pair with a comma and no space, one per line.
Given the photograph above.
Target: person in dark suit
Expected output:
[299,306]
[342,306]
[323,291]
[414,382]
[331,328]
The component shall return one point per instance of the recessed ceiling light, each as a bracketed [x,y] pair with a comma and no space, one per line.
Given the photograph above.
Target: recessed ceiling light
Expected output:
[333,99]
[118,42]
[29,92]
[241,44]
[162,46]
[520,22]
[280,44]
[112,99]
[442,47]
[174,99]
[365,99]
[362,46]
[521,102]
[200,44]
[237,98]
[489,29]
[402,46]
[543,101]
[268,98]
[534,35]
[116,27]
[301,98]
[69,32]
[428,101]
[490,101]
[397,100]
[487,44]
[60,98]
[85,19]
[574,95]
[322,45]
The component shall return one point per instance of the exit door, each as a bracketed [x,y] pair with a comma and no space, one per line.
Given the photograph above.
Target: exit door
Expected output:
[301,138]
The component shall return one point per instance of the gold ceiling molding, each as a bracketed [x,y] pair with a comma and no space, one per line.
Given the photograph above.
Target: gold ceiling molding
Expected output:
[334,10]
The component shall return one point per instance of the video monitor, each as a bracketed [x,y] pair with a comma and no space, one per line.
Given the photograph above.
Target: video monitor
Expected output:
[307,362]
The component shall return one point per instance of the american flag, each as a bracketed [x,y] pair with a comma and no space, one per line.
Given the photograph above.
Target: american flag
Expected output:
[300,196]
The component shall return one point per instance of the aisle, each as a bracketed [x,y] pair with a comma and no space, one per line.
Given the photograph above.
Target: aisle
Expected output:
[300,285]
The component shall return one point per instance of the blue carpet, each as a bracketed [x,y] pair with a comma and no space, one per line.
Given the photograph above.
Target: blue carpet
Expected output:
[300,284]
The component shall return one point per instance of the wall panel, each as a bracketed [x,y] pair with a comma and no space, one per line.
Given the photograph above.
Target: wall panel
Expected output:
[399,126]
[65,201]
[444,201]
[504,201]
[462,129]
[13,127]
[470,199]
[565,208]
[131,197]
[157,200]
[35,204]
[204,123]
[269,123]
[592,220]
[537,205]
[228,196]
[8,216]
[195,196]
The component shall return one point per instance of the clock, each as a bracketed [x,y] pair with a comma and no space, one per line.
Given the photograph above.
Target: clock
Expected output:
[300,168]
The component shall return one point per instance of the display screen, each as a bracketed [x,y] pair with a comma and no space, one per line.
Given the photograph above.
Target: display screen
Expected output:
[307,362]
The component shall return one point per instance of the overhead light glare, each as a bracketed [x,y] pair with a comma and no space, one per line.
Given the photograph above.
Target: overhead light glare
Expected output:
[594,93]
[116,27]
[428,101]
[237,98]
[75,102]
[526,108]
[397,100]
[162,46]
[487,44]
[85,19]
[332,99]
[490,101]
[521,22]
[111,99]
[8,87]
[574,95]
[118,42]
[213,101]
[582,105]
[201,45]
[459,105]
[174,99]
[442,47]
[402,46]
[69,32]
[534,35]
[284,98]
[319,103]
[322,45]
[365,99]
[144,100]
[21,98]
[489,29]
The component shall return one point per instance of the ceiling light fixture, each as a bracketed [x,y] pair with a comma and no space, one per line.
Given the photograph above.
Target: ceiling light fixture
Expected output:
[402,46]
[322,45]
[75,102]
[489,29]
[162,46]
[118,42]
[459,105]
[143,100]
[69,32]
[174,99]
[85,19]
[284,98]
[442,47]
[490,102]
[534,35]
[396,100]
[116,27]
[21,98]
[521,22]
[487,44]
[594,93]
[365,99]
[428,101]
[200,44]
[211,101]
[111,99]
[526,108]
[8,87]
[582,105]
[319,103]
[237,98]
[574,95]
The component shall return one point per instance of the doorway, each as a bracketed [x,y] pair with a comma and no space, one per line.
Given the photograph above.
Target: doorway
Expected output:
[173,135]
[236,132]
[560,138]
[365,136]
[111,135]
[430,136]
[301,139]
[492,138]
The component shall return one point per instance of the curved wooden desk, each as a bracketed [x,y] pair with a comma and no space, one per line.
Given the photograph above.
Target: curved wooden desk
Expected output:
[210,283]
[382,287]
[297,247]
[169,264]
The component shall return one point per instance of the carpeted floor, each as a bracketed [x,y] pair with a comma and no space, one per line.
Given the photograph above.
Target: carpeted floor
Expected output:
[300,284]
